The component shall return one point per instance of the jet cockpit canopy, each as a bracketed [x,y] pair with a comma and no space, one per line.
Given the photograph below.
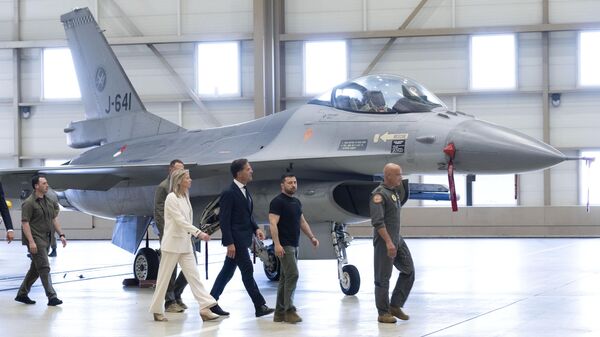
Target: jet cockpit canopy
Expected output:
[381,94]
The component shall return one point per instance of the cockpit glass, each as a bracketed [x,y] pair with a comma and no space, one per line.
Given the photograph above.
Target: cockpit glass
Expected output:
[381,94]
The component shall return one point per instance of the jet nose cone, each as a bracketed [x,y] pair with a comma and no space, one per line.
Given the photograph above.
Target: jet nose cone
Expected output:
[482,147]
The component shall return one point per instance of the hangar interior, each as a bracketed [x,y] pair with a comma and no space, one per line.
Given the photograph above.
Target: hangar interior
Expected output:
[158,42]
[483,285]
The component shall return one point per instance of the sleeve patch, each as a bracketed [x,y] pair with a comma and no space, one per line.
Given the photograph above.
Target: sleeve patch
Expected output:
[377,198]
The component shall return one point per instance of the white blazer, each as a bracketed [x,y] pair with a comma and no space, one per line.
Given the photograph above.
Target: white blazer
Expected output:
[178,225]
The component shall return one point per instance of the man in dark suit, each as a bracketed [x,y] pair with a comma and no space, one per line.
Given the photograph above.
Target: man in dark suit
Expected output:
[10,235]
[238,227]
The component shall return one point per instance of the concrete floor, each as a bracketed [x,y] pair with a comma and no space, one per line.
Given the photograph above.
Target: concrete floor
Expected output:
[464,287]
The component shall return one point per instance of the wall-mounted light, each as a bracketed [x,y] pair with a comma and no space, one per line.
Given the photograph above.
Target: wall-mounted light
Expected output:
[25,111]
[555,100]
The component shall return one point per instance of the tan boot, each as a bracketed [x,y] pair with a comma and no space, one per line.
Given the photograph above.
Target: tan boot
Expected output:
[279,316]
[291,316]
[386,318]
[174,307]
[399,313]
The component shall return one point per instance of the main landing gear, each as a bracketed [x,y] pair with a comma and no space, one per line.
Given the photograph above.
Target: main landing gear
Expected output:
[348,275]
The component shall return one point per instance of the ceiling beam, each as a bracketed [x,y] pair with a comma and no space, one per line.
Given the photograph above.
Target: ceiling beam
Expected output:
[375,34]
[134,30]
[133,40]
[391,41]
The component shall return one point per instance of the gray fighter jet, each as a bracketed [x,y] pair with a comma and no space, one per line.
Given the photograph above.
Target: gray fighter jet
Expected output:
[336,144]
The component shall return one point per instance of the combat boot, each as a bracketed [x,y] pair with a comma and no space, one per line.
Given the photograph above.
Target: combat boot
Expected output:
[386,318]
[399,313]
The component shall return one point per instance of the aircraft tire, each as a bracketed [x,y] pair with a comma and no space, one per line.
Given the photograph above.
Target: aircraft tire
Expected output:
[272,269]
[350,280]
[145,264]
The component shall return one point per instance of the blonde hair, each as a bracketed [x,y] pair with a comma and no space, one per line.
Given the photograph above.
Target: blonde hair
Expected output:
[175,182]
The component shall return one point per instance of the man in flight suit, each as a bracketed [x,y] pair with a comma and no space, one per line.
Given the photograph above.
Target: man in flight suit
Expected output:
[390,250]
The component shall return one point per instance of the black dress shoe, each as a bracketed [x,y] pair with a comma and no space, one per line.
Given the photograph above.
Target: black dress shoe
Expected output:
[219,311]
[54,302]
[24,299]
[263,310]
[52,253]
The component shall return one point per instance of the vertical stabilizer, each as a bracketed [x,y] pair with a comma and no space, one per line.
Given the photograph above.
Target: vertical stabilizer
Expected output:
[113,109]
[105,88]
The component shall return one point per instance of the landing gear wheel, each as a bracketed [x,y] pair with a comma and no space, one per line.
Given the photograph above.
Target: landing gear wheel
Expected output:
[350,280]
[145,264]
[272,268]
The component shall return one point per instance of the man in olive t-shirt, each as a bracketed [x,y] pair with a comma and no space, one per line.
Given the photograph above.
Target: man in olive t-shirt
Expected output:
[38,218]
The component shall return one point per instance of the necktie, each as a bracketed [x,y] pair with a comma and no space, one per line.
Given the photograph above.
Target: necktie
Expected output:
[248,198]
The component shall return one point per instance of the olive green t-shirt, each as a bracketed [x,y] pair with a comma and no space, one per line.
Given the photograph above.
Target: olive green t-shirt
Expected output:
[40,213]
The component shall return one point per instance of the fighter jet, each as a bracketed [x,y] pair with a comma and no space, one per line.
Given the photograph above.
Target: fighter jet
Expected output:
[336,144]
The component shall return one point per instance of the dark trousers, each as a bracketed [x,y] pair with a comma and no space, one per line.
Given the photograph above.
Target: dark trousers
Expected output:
[175,287]
[383,271]
[39,268]
[242,261]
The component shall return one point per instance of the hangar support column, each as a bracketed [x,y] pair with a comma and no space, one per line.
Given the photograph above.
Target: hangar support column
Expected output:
[268,58]
[545,100]
[16,81]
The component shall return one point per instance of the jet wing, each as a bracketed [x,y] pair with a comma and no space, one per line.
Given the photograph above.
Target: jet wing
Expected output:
[84,177]
[105,177]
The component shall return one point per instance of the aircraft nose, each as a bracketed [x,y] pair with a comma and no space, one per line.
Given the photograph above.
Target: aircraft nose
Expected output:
[484,147]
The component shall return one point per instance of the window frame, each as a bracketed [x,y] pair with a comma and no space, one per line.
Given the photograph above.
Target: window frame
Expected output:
[515,84]
[43,66]
[579,63]
[305,92]
[197,70]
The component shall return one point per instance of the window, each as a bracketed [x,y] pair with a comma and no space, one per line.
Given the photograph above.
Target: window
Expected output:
[218,69]
[54,162]
[59,77]
[494,190]
[589,54]
[324,65]
[459,183]
[493,62]
[589,179]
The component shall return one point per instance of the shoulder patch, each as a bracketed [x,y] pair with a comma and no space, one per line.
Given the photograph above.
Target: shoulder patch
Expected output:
[377,198]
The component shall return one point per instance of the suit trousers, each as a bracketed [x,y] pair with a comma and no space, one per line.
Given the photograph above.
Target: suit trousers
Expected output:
[187,262]
[176,286]
[39,267]
[383,272]
[242,261]
[288,279]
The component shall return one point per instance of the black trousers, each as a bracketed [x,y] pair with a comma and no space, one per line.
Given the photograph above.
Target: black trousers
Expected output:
[242,261]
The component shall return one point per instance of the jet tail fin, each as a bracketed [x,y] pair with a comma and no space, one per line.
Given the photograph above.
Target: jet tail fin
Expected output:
[113,109]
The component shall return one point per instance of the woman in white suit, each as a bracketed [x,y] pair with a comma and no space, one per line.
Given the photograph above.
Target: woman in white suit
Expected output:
[176,248]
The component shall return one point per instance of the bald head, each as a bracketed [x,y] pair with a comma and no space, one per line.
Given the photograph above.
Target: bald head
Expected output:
[392,175]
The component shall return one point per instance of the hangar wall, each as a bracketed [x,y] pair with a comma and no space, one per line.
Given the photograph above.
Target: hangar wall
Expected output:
[439,62]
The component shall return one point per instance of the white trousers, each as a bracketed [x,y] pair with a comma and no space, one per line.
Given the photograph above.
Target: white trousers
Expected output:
[188,267]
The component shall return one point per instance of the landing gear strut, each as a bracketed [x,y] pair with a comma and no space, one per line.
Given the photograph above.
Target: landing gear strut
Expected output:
[347,274]
[270,262]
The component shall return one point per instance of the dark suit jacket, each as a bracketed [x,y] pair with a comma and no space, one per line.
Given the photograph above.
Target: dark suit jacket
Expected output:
[235,217]
[4,210]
